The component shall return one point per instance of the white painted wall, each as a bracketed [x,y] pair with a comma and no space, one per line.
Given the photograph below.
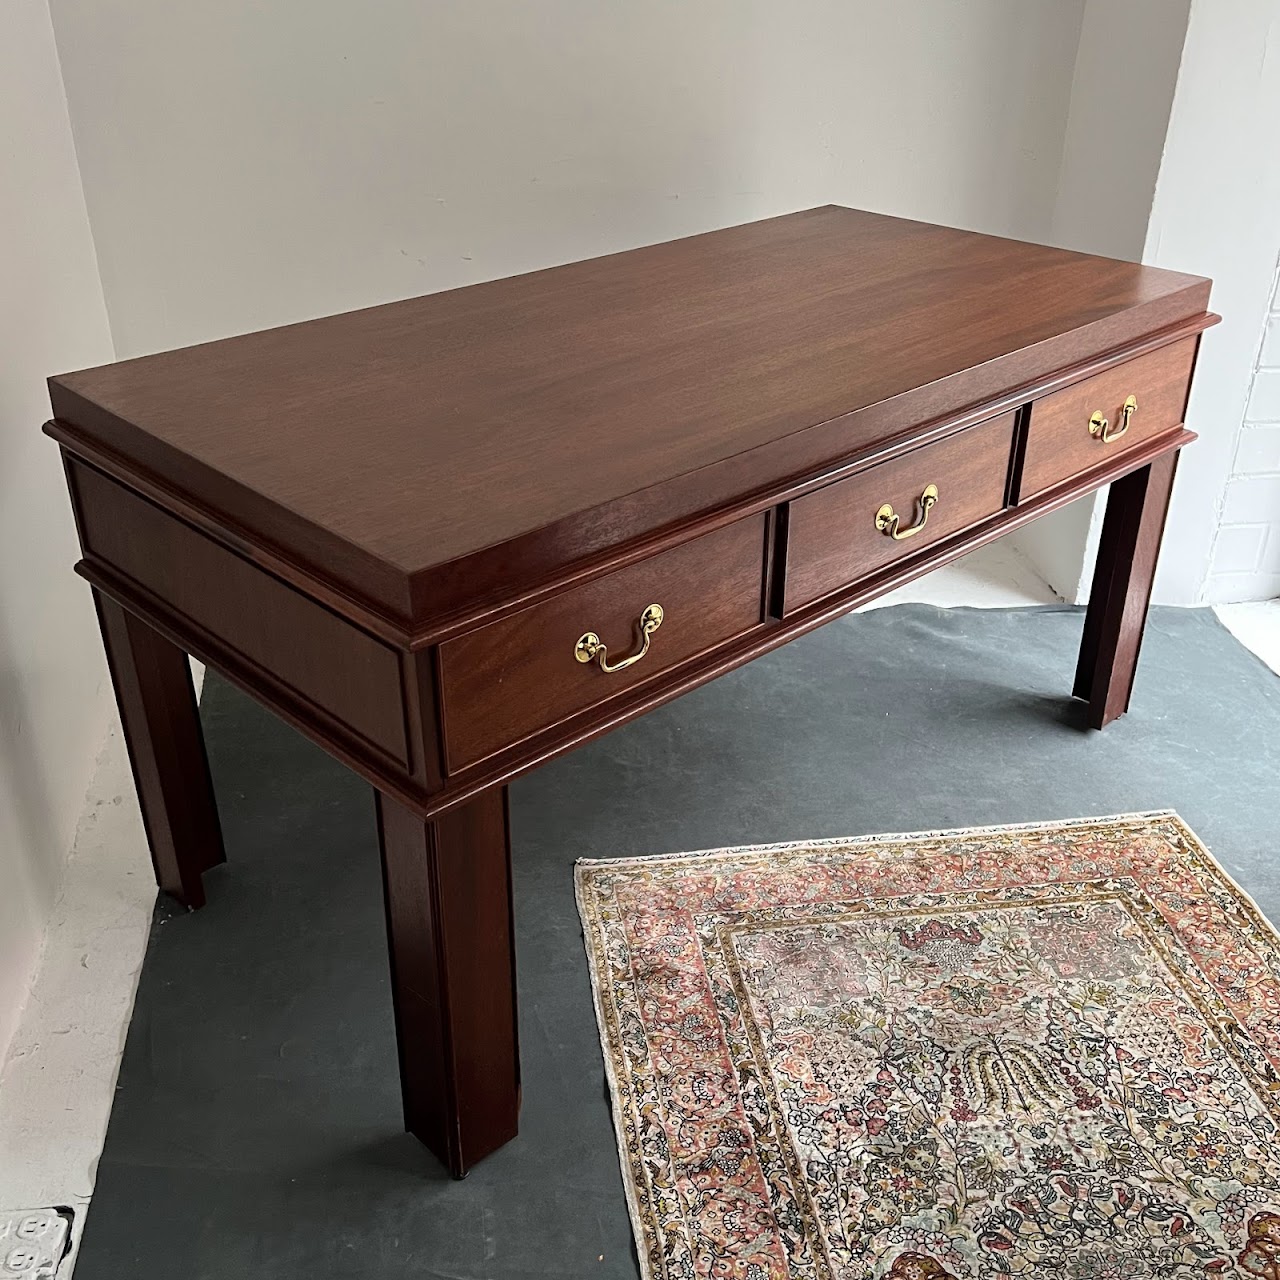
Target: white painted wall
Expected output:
[1217,213]
[1122,92]
[1213,211]
[1245,564]
[247,164]
[53,699]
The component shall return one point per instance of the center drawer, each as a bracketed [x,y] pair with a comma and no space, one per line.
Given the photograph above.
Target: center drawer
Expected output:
[528,671]
[844,533]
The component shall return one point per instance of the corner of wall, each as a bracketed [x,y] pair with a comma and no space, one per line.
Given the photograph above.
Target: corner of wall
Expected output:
[54,705]
[1113,143]
[1214,214]
[95,250]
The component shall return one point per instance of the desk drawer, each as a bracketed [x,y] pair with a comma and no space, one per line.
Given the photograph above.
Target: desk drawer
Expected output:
[505,681]
[1067,437]
[838,536]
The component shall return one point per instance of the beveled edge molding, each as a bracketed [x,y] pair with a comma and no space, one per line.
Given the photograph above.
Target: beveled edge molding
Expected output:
[387,776]
[401,632]
[369,759]
[118,506]
[808,480]
[232,535]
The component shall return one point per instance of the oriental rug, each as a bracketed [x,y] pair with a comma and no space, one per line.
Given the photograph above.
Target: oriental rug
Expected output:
[1043,1050]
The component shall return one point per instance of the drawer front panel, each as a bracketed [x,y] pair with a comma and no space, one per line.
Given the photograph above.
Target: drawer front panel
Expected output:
[324,661]
[505,681]
[1067,435]
[835,538]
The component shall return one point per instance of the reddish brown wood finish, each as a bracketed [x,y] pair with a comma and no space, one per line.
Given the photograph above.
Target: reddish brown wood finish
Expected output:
[161,723]
[391,527]
[832,539]
[512,678]
[1117,613]
[603,399]
[267,623]
[448,890]
[1059,444]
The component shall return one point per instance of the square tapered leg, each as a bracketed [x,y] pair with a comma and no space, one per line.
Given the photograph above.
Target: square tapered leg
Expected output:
[161,723]
[1121,594]
[448,890]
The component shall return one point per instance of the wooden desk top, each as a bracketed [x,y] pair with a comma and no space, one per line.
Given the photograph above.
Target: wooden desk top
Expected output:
[428,454]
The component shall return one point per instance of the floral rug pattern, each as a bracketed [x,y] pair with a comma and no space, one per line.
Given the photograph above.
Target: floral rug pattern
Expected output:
[1027,1051]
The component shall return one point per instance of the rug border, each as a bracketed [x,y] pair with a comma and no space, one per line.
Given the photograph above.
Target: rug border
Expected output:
[582,867]
[837,842]
[630,1190]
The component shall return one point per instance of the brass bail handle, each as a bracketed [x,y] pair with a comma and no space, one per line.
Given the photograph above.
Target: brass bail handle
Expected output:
[1101,427]
[888,520]
[590,648]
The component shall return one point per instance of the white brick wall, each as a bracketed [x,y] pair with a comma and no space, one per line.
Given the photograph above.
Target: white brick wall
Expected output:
[1271,344]
[1246,551]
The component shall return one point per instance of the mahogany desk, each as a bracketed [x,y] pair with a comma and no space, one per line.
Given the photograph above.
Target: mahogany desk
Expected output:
[452,537]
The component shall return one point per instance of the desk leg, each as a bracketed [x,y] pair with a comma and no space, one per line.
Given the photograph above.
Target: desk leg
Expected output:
[448,889]
[161,724]
[1117,613]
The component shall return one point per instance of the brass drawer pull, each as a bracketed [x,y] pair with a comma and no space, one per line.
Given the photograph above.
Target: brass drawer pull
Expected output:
[591,648]
[887,519]
[1099,426]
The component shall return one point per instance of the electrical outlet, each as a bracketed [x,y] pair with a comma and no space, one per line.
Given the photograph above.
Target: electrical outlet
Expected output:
[33,1242]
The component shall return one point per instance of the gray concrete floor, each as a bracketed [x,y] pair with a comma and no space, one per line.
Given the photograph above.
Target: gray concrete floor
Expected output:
[256,1130]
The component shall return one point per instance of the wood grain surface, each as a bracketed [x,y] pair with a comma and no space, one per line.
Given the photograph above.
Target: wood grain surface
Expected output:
[328,663]
[832,539]
[427,451]
[448,898]
[1059,443]
[1116,618]
[505,681]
